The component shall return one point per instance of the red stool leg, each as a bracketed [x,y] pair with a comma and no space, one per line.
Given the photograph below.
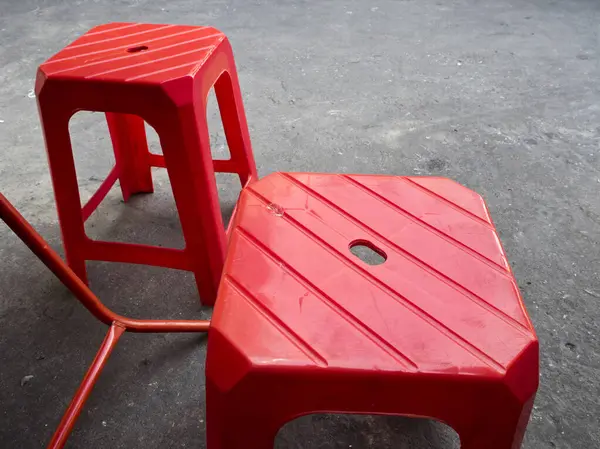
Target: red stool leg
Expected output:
[497,428]
[231,107]
[64,179]
[236,426]
[186,148]
[502,414]
[128,137]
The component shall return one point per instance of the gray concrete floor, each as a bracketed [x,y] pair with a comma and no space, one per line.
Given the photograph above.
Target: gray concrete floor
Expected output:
[501,95]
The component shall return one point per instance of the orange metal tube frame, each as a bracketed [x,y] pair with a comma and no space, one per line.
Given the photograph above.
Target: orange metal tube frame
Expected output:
[118,324]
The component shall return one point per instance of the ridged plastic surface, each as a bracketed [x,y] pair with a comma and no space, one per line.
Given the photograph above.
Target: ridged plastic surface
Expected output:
[443,300]
[438,329]
[135,52]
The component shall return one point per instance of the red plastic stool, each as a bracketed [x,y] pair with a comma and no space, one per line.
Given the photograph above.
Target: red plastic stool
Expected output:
[302,325]
[161,74]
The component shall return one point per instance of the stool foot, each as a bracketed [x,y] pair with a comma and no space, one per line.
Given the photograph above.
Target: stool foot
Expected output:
[252,428]
[498,430]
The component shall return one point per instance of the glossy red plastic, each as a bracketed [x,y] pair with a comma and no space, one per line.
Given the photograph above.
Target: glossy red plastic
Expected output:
[161,74]
[302,325]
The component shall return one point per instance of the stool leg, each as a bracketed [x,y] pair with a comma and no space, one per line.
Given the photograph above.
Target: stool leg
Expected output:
[186,147]
[498,428]
[66,190]
[231,108]
[128,137]
[236,426]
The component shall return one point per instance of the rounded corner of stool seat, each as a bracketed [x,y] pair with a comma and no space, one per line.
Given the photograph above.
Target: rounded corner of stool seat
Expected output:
[179,92]
[454,192]
[522,376]
[40,81]
[216,30]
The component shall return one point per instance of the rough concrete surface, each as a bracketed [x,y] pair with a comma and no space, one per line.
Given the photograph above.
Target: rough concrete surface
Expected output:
[501,95]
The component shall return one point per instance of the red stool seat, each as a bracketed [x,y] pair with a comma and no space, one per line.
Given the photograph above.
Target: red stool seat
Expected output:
[302,325]
[161,74]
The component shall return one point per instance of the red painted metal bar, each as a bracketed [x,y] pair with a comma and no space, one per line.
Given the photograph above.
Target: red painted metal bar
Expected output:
[42,250]
[159,326]
[52,260]
[118,324]
[99,195]
[68,421]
